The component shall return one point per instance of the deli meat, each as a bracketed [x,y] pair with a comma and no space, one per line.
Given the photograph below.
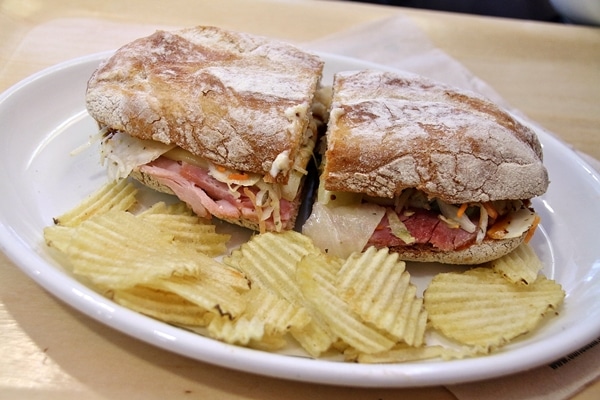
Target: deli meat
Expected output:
[206,195]
[169,174]
[426,228]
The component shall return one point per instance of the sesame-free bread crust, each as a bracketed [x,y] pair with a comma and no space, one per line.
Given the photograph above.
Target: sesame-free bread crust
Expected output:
[478,253]
[236,99]
[391,131]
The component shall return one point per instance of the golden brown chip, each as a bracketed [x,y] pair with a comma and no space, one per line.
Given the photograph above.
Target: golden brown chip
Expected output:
[118,195]
[481,308]
[278,315]
[267,317]
[210,294]
[315,338]
[165,306]
[404,353]
[58,236]
[194,232]
[116,250]
[376,286]
[268,343]
[160,207]
[317,282]
[270,260]
[240,331]
[191,231]
[519,266]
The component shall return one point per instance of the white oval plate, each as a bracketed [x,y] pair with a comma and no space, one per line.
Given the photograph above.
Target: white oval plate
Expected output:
[43,119]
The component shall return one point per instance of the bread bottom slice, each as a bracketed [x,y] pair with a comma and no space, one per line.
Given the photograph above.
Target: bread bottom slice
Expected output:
[478,253]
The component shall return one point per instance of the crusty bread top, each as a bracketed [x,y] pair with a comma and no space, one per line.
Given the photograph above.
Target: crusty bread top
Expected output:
[236,99]
[391,131]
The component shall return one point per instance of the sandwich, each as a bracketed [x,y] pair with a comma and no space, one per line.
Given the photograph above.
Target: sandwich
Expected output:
[434,173]
[221,119]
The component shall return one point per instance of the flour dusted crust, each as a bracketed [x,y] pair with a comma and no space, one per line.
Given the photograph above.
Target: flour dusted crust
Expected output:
[390,131]
[236,99]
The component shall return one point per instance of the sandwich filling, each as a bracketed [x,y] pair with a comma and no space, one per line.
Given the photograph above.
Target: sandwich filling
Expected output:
[414,219]
[210,189]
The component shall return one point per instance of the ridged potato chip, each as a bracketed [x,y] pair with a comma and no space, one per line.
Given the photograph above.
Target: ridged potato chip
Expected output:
[58,237]
[376,286]
[111,196]
[117,195]
[187,228]
[117,250]
[404,353]
[278,315]
[241,331]
[268,343]
[162,208]
[315,338]
[521,265]
[317,283]
[208,293]
[160,262]
[270,260]
[161,305]
[479,307]
[264,322]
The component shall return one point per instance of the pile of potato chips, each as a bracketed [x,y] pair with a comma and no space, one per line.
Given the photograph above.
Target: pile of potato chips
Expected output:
[277,288]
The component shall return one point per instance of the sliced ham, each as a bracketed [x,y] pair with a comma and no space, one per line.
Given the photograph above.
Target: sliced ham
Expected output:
[200,177]
[206,195]
[168,173]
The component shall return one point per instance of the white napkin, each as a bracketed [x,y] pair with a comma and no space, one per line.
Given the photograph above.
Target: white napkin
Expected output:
[399,43]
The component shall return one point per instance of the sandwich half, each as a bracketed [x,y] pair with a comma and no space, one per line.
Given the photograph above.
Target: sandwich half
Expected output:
[221,119]
[434,173]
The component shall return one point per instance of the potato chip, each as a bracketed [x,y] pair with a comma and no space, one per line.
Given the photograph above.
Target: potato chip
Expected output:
[268,343]
[405,353]
[117,195]
[269,318]
[117,250]
[161,263]
[191,231]
[376,286]
[240,331]
[278,315]
[317,282]
[160,207]
[269,260]
[165,306]
[187,227]
[58,236]
[210,294]
[315,338]
[521,265]
[481,308]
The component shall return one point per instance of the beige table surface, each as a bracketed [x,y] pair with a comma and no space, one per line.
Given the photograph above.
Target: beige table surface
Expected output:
[48,350]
